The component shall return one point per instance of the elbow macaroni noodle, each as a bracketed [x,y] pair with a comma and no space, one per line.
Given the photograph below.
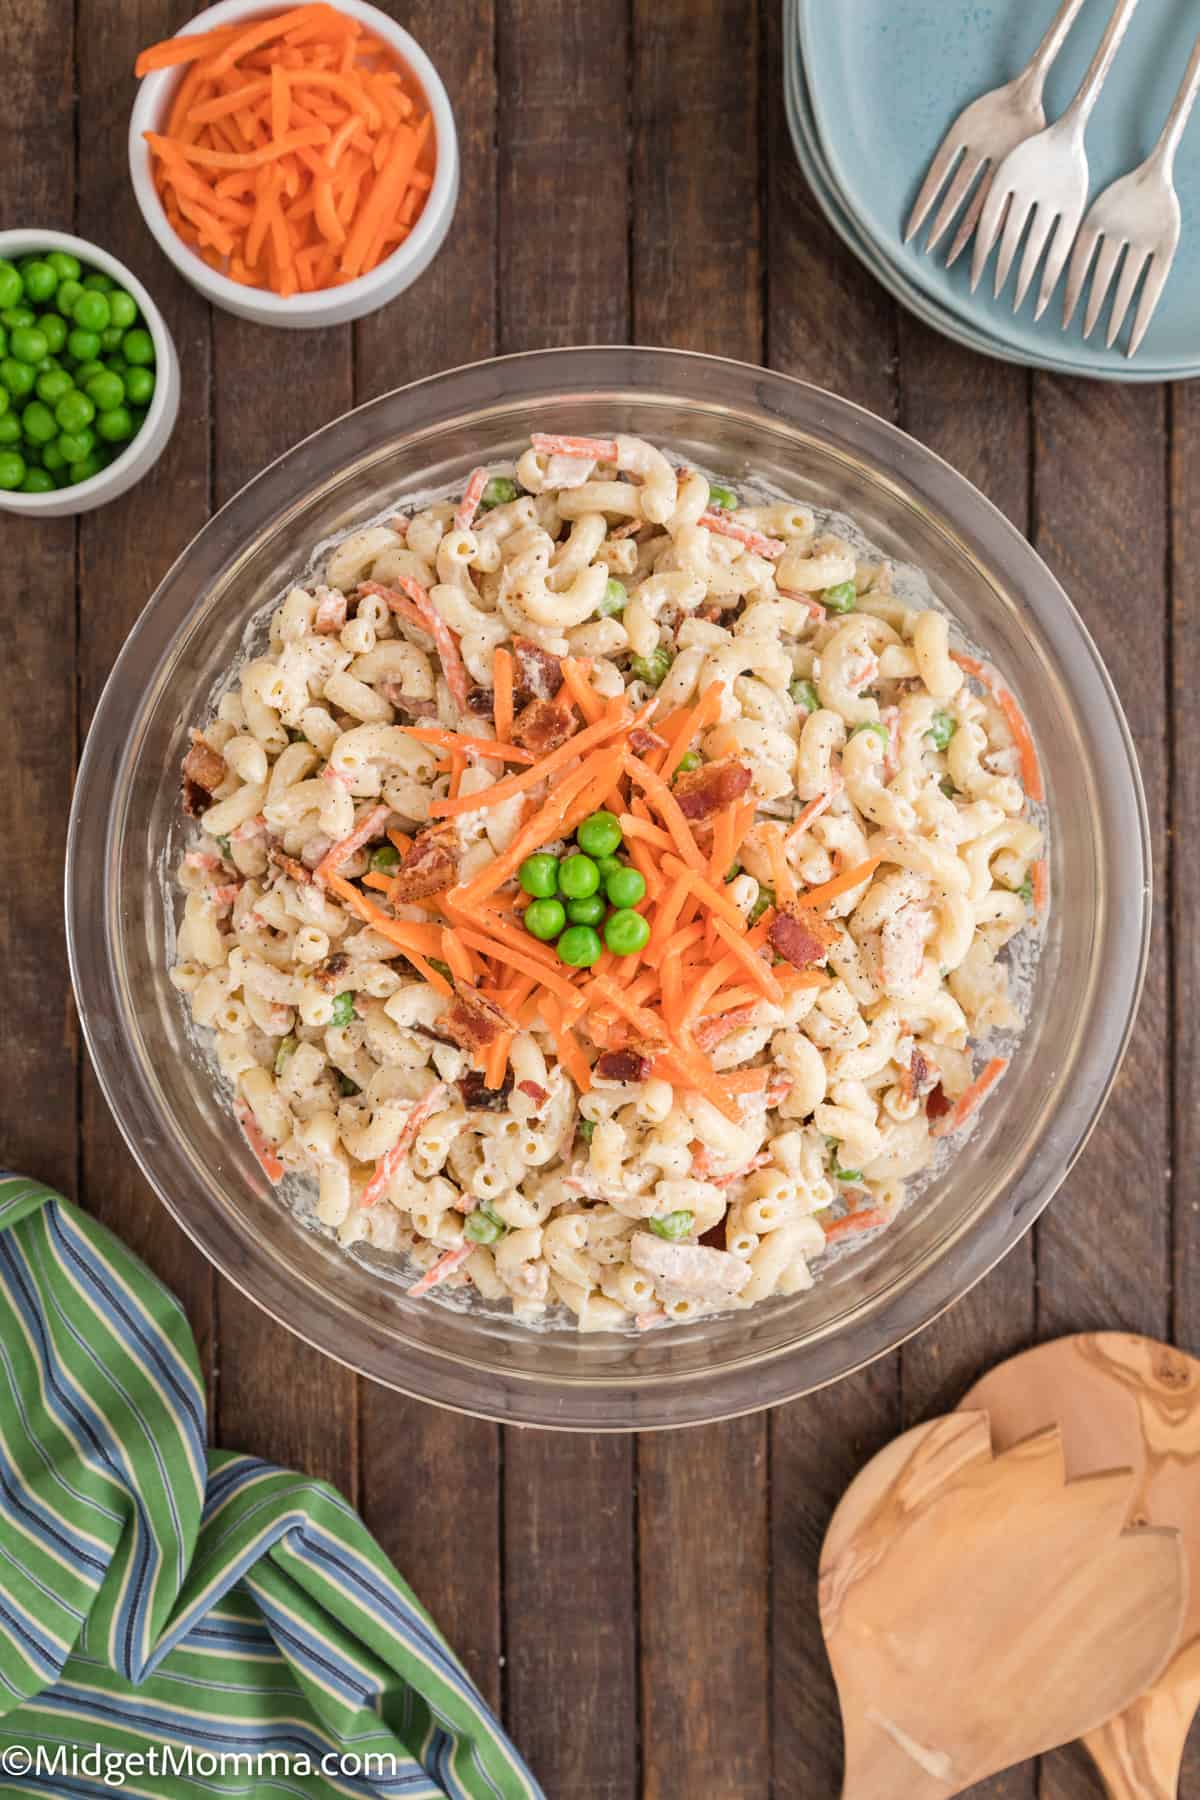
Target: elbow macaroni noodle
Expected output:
[859,718]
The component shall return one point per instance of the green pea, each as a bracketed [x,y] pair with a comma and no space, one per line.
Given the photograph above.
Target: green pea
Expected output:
[343,1009]
[15,317]
[599,834]
[766,898]
[805,695]
[673,1225]
[840,599]
[84,372]
[443,968]
[38,422]
[12,469]
[110,339]
[3,340]
[137,346]
[578,877]
[37,481]
[1026,890]
[607,865]
[53,458]
[54,330]
[10,427]
[614,599]
[83,345]
[11,287]
[942,728]
[544,919]
[74,446]
[225,847]
[385,859]
[122,309]
[65,266]
[588,911]
[74,411]
[68,293]
[28,344]
[5,402]
[139,385]
[948,788]
[579,947]
[586,1128]
[115,425]
[626,887]
[482,1226]
[106,389]
[691,759]
[40,281]
[625,932]
[99,284]
[722,498]
[733,871]
[539,875]
[879,731]
[497,492]
[83,471]
[18,377]
[652,669]
[285,1053]
[847,1174]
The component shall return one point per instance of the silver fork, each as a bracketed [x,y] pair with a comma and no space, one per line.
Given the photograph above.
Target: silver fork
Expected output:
[1043,183]
[983,134]
[1139,214]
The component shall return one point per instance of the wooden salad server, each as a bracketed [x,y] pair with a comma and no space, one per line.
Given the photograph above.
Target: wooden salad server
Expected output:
[979,1609]
[1123,1399]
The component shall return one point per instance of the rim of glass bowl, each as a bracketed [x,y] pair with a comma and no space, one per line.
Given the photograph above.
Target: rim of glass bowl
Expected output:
[484,1365]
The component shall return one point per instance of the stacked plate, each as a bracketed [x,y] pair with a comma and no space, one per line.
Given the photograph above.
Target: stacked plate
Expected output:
[872,86]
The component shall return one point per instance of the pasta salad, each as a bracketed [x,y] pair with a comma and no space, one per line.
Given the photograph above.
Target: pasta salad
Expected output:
[599,888]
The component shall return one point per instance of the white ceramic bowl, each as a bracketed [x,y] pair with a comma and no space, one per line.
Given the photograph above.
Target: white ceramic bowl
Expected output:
[329,306]
[142,451]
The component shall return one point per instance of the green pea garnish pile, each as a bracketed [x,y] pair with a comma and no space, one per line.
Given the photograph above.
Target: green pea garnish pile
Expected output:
[577,897]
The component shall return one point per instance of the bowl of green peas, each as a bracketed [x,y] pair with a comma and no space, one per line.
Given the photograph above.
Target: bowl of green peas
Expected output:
[89,378]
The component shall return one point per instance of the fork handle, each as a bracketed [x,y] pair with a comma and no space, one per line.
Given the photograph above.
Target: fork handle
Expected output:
[1180,113]
[1033,75]
[1077,114]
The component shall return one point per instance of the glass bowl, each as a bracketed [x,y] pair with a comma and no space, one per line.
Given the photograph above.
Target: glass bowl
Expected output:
[125,833]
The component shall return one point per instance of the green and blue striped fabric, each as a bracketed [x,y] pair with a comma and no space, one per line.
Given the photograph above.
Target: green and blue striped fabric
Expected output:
[231,1624]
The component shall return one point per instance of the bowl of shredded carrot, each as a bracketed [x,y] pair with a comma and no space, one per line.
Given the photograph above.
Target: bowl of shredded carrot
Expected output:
[298,166]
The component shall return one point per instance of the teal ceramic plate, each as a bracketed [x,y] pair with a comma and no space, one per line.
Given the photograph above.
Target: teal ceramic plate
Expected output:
[886,77]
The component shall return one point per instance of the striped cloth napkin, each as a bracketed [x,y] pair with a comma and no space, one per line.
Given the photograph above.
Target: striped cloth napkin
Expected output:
[231,1624]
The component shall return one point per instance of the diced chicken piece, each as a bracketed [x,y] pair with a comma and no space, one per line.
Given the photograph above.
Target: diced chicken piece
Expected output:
[689,1271]
[704,791]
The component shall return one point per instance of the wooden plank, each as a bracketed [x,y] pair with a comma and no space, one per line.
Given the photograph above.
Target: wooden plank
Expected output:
[828,322]
[562,262]
[39,564]
[421,1466]
[704,1679]
[1104,1244]
[1184,425]
[120,563]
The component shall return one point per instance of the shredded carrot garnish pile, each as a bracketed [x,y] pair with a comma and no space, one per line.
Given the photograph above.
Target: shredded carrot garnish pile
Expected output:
[298,152]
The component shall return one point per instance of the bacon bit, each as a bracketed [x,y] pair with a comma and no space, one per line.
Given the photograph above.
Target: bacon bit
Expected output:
[479,702]
[469,505]
[754,541]
[544,726]
[200,859]
[478,1097]
[394,1159]
[225,896]
[701,1161]
[267,1160]
[204,767]
[801,937]
[367,828]
[814,606]
[622,1065]
[642,742]
[916,1078]
[473,1021]
[539,1095]
[331,612]
[289,865]
[428,866]
[538,672]
[445,1265]
[551,443]
[937,1103]
[704,791]
[710,1032]
[966,1103]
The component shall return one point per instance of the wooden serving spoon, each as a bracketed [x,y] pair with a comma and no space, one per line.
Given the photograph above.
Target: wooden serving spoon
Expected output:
[978,1610]
[1123,1399]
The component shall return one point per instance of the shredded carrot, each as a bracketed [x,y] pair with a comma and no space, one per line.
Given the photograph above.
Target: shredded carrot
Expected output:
[495,1061]
[453,740]
[1014,718]
[812,811]
[633,827]
[305,104]
[266,1158]
[758,971]
[550,821]
[401,841]
[380,883]
[966,1103]
[445,1265]
[586,739]
[581,690]
[458,957]
[1040,876]
[781,875]
[841,884]
[502,694]
[712,897]
[517,959]
[866,1219]
[695,720]
[667,807]
[367,828]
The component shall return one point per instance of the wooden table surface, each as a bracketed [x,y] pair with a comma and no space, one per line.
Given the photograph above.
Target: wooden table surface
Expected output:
[643,1611]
